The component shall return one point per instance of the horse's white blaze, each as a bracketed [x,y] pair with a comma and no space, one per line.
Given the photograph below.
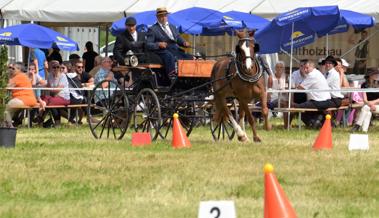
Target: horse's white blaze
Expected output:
[236,127]
[248,61]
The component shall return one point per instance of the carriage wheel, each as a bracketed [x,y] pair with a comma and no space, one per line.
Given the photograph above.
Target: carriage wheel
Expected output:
[110,115]
[223,129]
[147,113]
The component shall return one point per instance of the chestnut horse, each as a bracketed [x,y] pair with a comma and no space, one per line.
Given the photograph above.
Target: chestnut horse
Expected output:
[240,77]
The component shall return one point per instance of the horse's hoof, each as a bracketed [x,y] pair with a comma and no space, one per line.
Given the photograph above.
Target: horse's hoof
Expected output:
[268,127]
[257,139]
[243,138]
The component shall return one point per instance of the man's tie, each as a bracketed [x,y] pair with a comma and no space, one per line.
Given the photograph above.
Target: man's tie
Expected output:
[168,31]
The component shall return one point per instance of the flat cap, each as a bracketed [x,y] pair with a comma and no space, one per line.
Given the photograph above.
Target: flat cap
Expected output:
[130,21]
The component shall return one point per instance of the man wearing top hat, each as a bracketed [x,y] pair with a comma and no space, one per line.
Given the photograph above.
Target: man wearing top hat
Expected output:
[164,39]
[133,40]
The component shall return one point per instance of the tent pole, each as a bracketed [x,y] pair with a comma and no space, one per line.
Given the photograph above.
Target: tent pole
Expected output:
[327,44]
[194,44]
[106,40]
[290,79]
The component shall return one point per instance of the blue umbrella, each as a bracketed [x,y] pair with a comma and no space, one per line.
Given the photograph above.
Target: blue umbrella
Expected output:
[148,18]
[251,21]
[36,36]
[354,19]
[298,27]
[212,22]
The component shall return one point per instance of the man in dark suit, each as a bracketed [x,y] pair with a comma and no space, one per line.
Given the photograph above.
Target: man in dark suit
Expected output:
[135,41]
[164,39]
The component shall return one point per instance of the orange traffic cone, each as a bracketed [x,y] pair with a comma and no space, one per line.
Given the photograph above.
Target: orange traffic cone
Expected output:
[276,202]
[179,137]
[141,138]
[324,138]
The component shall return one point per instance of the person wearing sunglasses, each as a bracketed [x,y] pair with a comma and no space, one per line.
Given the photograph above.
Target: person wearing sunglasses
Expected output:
[85,78]
[20,97]
[60,95]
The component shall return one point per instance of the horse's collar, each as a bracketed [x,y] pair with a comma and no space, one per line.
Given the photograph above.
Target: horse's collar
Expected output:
[246,77]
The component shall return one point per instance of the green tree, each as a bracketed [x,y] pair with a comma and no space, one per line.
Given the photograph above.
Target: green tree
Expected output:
[3,80]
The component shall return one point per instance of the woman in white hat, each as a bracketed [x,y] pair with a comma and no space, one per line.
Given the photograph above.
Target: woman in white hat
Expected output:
[341,68]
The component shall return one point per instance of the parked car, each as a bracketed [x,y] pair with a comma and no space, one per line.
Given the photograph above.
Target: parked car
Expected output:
[110,49]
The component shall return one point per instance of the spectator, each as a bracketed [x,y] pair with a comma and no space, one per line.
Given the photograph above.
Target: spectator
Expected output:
[97,65]
[371,100]
[55,56]
[59,96]
[89,57]
[104,73]
[20,97]
[76,95]
[85,77]
[37,81]
[73,58]
[321,100]
[278,83]
[361,53]
[341,68]
[39,59]
[333,79]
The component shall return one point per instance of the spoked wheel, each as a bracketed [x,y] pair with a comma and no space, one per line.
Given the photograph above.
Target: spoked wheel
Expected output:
[147,113]
[223,128]
[110,115]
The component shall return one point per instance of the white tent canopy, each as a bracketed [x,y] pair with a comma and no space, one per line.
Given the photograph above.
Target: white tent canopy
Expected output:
[96,11]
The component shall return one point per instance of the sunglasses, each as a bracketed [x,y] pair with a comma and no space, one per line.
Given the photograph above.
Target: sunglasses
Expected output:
[55,67]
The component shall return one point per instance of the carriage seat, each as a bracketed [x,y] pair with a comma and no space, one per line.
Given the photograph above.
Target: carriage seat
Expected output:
[195,68]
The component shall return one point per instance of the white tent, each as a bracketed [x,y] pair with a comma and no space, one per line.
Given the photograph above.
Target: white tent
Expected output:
[96,11]
[66,11]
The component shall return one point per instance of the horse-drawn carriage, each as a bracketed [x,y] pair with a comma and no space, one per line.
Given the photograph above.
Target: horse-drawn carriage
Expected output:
[149,103]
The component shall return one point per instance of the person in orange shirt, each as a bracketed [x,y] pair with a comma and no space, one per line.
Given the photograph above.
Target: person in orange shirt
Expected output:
[20,97]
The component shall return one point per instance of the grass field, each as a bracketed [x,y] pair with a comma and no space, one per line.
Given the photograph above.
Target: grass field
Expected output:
[66,173]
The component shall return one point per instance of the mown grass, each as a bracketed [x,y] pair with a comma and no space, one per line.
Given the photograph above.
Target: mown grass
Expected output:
[66,173]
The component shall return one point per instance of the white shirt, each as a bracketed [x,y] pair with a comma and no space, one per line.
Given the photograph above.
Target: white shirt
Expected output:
[334,82]
[167,30]
[134,35]
[316,80]
[278,84]
[297,78]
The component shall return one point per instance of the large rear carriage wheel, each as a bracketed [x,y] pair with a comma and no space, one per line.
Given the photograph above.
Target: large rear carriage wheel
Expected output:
[109,115]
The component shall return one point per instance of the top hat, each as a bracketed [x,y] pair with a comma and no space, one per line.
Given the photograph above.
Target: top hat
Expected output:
[161,11]
[330,58]
[130,21]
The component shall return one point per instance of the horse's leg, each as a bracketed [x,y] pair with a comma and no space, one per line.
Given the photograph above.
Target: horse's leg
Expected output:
[265,108]
[237,128]
[241,115]
[244,106]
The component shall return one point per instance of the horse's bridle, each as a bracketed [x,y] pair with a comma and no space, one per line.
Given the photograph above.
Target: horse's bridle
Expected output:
[240,70]
[247,40]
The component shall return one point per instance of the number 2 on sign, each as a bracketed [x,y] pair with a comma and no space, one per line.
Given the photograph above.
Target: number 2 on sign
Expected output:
[217,211]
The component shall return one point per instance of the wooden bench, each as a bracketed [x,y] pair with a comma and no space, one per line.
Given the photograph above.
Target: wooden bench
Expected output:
[37,106]
[299,111]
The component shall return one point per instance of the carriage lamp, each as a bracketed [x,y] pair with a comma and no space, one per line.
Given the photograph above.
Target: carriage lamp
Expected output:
[131,59]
